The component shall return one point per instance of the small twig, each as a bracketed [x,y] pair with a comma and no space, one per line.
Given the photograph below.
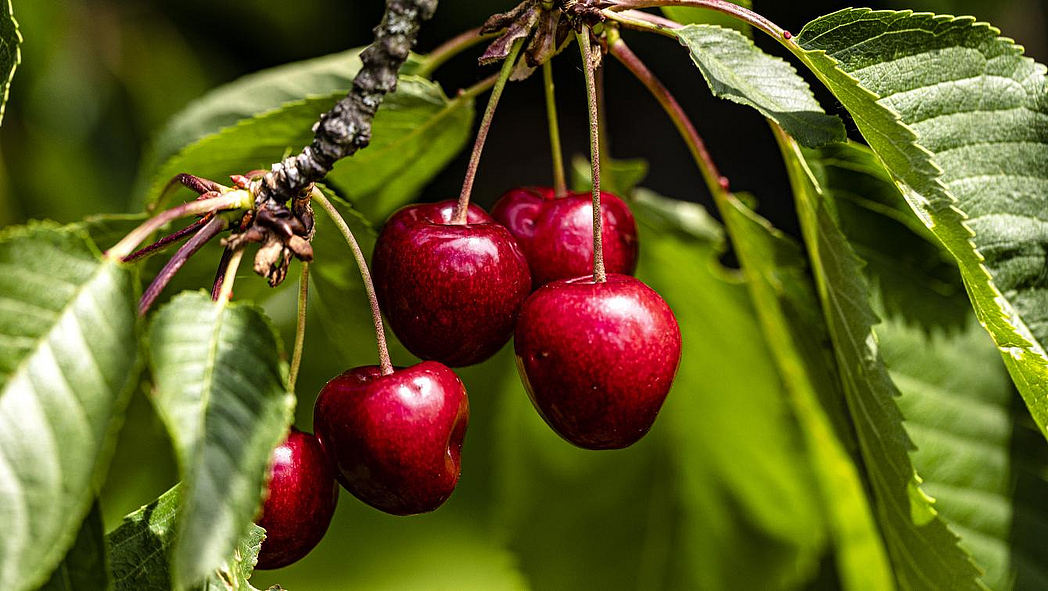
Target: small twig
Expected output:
[365,275]
[560,183]
[209,231]
[599,273]
[462,208]
[220,274]
[300,328]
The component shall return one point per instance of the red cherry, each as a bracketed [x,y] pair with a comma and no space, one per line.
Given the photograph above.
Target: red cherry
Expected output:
[395,439]
[556,235]
[598,359]
[301,501]
[451,292]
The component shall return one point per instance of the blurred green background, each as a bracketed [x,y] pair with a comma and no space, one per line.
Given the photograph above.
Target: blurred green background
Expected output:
[98,78]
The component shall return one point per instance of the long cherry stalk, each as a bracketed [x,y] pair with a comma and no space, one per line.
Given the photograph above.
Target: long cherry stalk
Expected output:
[462,208]
[723,6]
[365,275]
[560,183]
[599,273]
[448,50]
[300,328]
[717,184]
[166,241]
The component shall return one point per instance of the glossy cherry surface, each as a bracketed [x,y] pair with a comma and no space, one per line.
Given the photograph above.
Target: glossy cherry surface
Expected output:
[451,292]
[556,234]
[301,501]
[395,439]
[598,359]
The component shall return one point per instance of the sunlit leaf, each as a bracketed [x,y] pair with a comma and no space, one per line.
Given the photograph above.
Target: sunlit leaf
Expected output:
[220,392]
[68,361]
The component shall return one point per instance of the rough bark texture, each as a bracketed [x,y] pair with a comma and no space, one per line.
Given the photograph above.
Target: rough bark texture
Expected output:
[347,127]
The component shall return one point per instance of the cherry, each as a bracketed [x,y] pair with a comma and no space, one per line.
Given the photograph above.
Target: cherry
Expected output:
[301,501]
[451,292]
[395,439]
[556,234]
[598,359]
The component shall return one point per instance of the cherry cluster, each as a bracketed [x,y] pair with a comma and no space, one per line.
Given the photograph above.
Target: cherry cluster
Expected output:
[596,356]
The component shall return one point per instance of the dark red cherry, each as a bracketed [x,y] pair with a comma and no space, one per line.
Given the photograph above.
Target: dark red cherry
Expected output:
[598,359]
[395,439]
[302,498]
[556,235]
[451,292]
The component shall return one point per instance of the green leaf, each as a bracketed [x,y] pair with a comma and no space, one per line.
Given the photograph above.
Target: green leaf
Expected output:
[923,551]
[746,500]
[785,300]
[138,551]
[957,116]
[901,254]
[956,395]
[687,15]
[739,71]
[84,566]
[10,52]
[220,392]
[68,362]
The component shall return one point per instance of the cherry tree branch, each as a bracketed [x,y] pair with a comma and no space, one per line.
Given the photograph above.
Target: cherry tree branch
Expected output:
[346,128]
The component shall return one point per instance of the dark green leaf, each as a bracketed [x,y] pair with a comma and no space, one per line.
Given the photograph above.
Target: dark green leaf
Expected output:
[924,553]
[785,300]
[220,392]
[10,52]
[746,500]
[957,115]
[138,551]
[84,566]
[68,361]
[739,71]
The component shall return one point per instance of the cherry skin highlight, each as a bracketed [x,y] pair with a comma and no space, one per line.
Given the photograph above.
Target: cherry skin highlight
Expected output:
[395,439]
[301,501]
[556,234]
[598,359]
[451,292]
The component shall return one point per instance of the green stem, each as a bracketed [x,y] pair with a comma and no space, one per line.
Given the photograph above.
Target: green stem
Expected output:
[643,21]
[599,273]
[560,183]
[448,50]
[231,200]
[365,275]
[300,328]
[462,208]
[717,184]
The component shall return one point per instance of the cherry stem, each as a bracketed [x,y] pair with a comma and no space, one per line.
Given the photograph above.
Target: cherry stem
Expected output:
[226,293]
[717,184]
[734,10]
[462,208]
[210,230]
[365,275]
[448,50]
[220,274]
[599,274]
[645,21]
[166,241]
[300,328]
[560,183]
[231,200]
